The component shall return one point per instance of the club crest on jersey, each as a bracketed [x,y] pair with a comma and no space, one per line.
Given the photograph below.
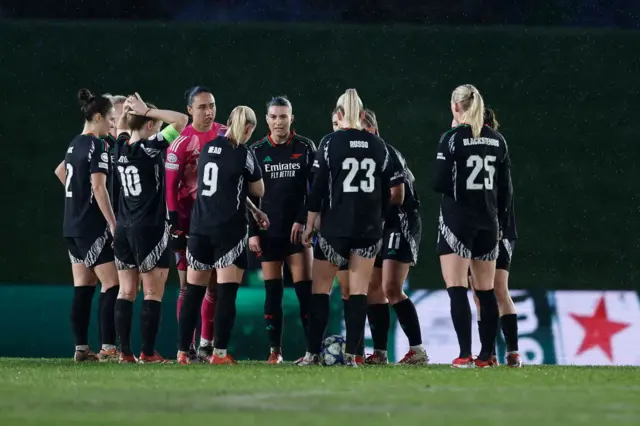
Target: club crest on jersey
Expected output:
[215,150]
[295,156]
[283,170]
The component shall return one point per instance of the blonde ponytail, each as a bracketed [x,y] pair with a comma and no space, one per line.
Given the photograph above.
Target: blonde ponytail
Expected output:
[472,105]
[241,117]
[352,106]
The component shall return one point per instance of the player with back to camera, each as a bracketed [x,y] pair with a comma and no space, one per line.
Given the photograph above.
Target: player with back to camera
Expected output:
[343,272]
[141,240]
[351,187]
[286,159]
[181,176]
[506,307]
[89,221]
[402,232]
[472,172]
[227,172]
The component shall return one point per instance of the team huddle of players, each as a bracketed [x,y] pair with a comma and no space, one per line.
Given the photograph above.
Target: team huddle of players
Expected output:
[135,192]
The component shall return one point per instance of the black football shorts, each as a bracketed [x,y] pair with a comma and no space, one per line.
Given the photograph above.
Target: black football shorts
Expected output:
[91,252]
[142,248]
[338,250]
[466,241]
[401,243]
[277,249]
[207,252]
[505,253]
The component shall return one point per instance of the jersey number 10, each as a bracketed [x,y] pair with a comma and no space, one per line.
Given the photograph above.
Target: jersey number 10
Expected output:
[478,164]
[354,166]
[130,180]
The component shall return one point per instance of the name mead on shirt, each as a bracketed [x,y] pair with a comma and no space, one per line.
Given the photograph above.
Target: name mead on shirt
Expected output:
[481,141]
[359,144]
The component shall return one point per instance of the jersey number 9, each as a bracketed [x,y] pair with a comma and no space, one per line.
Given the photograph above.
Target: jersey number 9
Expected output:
[210,179]
[130,180]
[354,166]
[478,164]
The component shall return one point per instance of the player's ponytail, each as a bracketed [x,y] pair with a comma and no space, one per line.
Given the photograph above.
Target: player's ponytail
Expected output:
[353,109]
[490,119]
[91,105]
[472,105]
[241,118]
[370,120]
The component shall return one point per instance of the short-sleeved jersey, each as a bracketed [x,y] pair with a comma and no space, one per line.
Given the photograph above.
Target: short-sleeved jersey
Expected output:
[140,170]
[351,182]
[287,172]
[182,167]
[474,176]
[85,156]
[402,175]
[224,173]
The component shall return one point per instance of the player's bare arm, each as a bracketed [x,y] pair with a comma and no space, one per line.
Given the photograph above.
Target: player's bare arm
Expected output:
[99,186]
[60,172]
[176,119]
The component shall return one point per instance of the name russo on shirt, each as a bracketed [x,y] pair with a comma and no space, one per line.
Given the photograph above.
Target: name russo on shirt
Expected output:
[481,141]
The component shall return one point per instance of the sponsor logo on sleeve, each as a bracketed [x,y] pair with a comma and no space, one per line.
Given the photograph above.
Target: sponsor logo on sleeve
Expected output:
[104,157]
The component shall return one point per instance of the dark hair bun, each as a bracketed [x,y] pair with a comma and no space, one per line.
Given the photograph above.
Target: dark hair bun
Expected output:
[85,96]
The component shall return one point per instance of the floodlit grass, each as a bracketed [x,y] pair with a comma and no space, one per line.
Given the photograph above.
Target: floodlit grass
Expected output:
[58,392]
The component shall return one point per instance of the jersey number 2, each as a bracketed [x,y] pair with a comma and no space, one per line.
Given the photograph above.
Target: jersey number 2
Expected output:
[478,164]
[354,166]
[69,194]
[210,179]
[130,179]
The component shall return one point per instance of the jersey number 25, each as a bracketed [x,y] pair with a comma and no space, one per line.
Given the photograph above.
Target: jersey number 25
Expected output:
[478,164]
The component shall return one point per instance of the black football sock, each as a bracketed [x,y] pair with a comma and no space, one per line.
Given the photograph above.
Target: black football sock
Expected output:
[107,322]
[273,311]
[123,319]
[318,319]
[81,314]
[303,291]
[189,313]
[408,319]
[100,306]
[355,323]
[489,323]
[149,325]
[379,321]
[225,315]
[509,324]
[461,316]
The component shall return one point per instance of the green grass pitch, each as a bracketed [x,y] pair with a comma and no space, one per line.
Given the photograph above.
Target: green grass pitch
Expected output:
[58,392]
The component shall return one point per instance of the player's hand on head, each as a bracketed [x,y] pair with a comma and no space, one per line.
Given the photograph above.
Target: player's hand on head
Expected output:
[254,244]
[296,232]
[136,105]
